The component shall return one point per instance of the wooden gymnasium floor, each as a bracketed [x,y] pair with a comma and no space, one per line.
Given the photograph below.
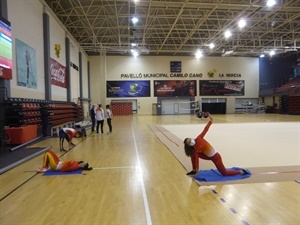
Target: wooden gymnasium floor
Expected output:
[137,180]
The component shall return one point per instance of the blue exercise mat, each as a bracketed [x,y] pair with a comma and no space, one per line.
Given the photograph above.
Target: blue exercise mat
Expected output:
[215,175]
[58,173]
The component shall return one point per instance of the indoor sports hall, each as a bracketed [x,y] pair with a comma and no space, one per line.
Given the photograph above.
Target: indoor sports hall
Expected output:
[137,179]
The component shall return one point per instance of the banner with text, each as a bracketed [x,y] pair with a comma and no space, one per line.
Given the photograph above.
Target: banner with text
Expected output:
[121,89]
[58,74]
[222,87]
[167,88]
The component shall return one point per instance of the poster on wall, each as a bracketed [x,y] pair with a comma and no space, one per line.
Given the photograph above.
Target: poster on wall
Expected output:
[168,88]
[222,87]
[26,65]
[5,50]
[58,74]
[135,88]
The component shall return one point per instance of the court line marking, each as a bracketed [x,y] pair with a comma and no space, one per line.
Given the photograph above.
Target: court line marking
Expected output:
[270,173]
[117,167]
[12,191]
[145,199]
[227,205]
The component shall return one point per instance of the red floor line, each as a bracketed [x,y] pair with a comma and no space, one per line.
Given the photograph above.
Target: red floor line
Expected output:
[167,136]
[269,173]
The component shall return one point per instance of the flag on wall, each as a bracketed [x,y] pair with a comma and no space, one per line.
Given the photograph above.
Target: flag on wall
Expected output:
[58,74]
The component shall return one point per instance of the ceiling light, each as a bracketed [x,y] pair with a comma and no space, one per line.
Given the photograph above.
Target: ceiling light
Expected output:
[198,54]
[211,45]
[133,44]
[242,23]
[270,3]
[272,52]
[227,34]
[228,52]
[134,52]
[134,20]
[262,56]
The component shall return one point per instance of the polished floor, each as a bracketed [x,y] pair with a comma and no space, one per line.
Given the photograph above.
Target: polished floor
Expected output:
[137,180]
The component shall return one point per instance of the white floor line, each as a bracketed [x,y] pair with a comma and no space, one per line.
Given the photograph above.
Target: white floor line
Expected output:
[146,205]
[112,168]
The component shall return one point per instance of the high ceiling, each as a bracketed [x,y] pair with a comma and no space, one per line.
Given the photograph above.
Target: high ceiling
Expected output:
[181,27]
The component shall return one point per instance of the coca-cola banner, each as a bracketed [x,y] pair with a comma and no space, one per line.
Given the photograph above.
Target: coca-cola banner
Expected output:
[58,74]
[222,87]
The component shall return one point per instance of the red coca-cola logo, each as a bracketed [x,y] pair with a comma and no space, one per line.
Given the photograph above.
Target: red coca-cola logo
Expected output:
[57,73]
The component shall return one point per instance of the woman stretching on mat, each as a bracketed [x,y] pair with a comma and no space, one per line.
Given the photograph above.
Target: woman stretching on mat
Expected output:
[68,134]
[51,160]
[200,148]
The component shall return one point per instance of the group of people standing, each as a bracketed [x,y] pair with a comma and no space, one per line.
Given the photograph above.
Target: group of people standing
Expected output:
[98,116]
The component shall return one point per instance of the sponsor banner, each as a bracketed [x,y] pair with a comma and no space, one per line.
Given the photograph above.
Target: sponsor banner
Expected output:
[222,87]
[5,51]
[5,73]
[26,65]
[58,74]
[119,89]
[167,88]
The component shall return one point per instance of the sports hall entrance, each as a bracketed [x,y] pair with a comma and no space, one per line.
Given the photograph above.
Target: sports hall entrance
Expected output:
[171,106]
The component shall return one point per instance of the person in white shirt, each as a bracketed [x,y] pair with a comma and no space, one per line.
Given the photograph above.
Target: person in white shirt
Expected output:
[99,118]
[108,118]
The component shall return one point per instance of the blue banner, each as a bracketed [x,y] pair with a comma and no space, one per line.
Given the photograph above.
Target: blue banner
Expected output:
[125,89]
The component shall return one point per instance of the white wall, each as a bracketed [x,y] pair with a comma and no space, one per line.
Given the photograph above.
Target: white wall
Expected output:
[98,79]
[26,19]
[117,65]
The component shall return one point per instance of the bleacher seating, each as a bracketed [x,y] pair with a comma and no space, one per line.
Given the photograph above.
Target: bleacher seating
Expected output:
[290,87]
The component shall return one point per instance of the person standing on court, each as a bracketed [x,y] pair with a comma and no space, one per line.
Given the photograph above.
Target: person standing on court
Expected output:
[109,118]
[99,118]
[93,117]
[200,148]
[45,113]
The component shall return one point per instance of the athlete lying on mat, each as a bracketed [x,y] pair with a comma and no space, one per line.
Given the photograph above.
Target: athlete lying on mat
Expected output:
[51,160]
[200,148]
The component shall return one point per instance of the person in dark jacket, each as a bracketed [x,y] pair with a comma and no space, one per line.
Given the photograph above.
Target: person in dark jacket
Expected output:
[45,114]
[93,117]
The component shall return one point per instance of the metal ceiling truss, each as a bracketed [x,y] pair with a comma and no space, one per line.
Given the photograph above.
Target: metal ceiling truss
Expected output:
[180,27]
